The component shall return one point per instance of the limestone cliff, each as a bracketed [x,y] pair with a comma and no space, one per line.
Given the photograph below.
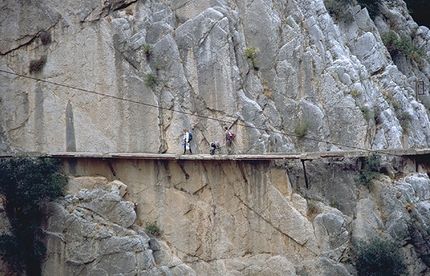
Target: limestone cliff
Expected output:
[234,218]
[127,76]
[286,75]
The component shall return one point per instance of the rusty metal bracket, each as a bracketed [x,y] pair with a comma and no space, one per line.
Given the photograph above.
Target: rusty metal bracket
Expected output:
[181,165]
[305,174]
[240,165]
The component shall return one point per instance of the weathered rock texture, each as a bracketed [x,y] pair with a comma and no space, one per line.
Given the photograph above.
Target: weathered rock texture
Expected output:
[127,76]
[233,218]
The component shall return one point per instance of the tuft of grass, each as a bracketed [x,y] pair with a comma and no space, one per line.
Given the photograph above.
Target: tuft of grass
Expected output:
[355,93]
[153,229]
[38,64]
[147,50]
[251,56]
[367,113]
[313,210]
[150,80]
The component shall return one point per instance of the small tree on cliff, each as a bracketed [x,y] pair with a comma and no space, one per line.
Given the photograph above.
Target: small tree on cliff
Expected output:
[26,185]
[378,257]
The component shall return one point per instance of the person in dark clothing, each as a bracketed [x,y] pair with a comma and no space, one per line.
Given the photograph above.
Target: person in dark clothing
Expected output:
[215,146]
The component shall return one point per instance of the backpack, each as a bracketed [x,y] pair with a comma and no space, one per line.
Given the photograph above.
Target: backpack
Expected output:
[190,136]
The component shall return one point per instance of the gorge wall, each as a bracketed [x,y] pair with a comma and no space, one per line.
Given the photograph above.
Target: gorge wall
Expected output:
[129,75]
[234,217]
[81,80]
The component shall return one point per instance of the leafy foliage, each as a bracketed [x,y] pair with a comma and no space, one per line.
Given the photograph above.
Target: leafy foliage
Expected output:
[401,45]
[153,229]
[251,55]
[378,257]
[37,64]
[147,50]
[150,80]
[372,6]
[367,113]
[369,169]
[27,184]
[339,9]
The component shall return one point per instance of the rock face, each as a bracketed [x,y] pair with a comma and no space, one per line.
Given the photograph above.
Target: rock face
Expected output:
[286,75]
[127,76]
[235,219]
[91,233]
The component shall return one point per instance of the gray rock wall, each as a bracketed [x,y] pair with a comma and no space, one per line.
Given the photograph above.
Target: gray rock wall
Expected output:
[241,218]
[90,60]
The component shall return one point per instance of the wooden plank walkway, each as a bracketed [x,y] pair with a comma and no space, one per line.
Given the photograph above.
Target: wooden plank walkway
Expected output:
[269,156]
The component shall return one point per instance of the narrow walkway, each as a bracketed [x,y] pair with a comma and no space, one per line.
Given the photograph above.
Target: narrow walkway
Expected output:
[269,156]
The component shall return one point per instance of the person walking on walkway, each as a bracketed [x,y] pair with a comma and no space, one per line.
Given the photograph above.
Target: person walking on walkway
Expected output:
[229,136]
[186,141]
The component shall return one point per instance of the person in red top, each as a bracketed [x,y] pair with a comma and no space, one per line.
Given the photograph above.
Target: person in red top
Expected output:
[229,136]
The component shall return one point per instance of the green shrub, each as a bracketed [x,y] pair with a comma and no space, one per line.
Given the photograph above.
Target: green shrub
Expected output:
[301,128]
[27,184]
[367,113]
[251,56]
[153,229]
[369,169]
[378,257]
[402,45]
[372,6]
[38,64]
[355,93]
[147,50]
[339,9]
[150,80]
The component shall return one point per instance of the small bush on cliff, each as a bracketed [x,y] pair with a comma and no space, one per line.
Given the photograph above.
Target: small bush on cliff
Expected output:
[401,45]
[372,6]
[27,184]
[369,169]
[153,229]
[378,257]
[301,128]
[150,80]
[339,9]
[37,64]
[251,56]
[147,50]
[367,113]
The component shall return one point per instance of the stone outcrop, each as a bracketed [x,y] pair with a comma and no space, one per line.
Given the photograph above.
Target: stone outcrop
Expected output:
[92,233]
